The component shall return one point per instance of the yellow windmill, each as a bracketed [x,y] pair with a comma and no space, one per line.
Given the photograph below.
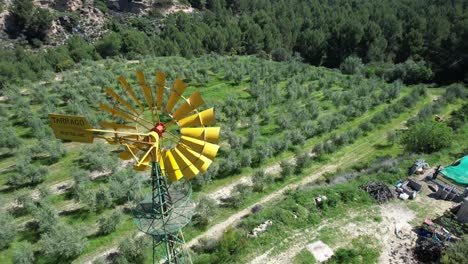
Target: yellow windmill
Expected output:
[174,140]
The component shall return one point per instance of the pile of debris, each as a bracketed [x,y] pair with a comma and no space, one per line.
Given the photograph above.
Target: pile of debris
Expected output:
[419,167]
[261,228]
[427,250]
[379,191]
[408,189]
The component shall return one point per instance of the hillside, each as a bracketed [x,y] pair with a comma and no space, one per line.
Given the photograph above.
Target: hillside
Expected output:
[275,117]
[391,39]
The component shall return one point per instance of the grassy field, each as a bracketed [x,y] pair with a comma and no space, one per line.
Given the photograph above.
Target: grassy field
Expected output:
[255,100]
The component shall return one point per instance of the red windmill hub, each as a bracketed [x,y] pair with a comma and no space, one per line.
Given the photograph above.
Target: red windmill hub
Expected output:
[159,128]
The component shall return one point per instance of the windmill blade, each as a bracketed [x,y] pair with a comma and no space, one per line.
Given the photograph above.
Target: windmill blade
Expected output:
[208,134]
[145,88]
[117,112]
[115,126]
[161,164]
[204,118]
[130,92]
[130,153]
[111,140]
[172,170]
[206,149]
[186,166]
[188,106]
[177,91]
[160,82]
[120,100]
[198,160]
[143,164]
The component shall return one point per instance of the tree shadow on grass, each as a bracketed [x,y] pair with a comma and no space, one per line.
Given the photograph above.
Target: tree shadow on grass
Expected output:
[382,146]
[30,233]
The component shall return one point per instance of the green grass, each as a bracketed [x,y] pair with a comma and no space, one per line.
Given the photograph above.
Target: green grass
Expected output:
[304,257]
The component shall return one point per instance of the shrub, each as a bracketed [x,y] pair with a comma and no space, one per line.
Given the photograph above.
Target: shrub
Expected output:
[458,117]
[133,250]
[31,20]
[92,158]
[79,49]
[427,137]
[261,180]
[26,172]
[280,54]
[9,138]
[8,230]
[392,137]
[46,216]
[302,161]
[286,169]
[108,224]
[238,195]
[351,65]
[59,58]
[205,210]
[456,252]
[455,91]
[231,242]
[134,42]
[109,45]
[102,199]
[63,242]
[23,254]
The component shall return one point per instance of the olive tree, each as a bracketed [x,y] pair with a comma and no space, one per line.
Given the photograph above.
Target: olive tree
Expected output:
[63,242]
[7,230]
[23,254]
[133,250]
[109,223]
[261,180]
[286,169]
[427,137]
[46,216]
[204,210]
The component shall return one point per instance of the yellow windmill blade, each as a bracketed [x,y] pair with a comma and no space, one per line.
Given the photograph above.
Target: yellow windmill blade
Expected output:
[160,82]
[204,148]
[177,91]
[116,112]
[115,126]
[120,100]
[145,88]
[208,134]
[192,103]
[130,92]
[171,166]
[185,165]
[204,118]
[198,160]
[129,153]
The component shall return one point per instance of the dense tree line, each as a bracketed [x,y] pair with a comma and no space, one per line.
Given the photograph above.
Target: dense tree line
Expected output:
[393,39]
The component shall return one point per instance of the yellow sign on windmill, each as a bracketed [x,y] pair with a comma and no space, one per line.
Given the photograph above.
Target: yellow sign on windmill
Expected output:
[73,128]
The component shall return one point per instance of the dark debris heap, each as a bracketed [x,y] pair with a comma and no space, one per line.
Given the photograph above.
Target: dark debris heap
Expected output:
[379,191]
